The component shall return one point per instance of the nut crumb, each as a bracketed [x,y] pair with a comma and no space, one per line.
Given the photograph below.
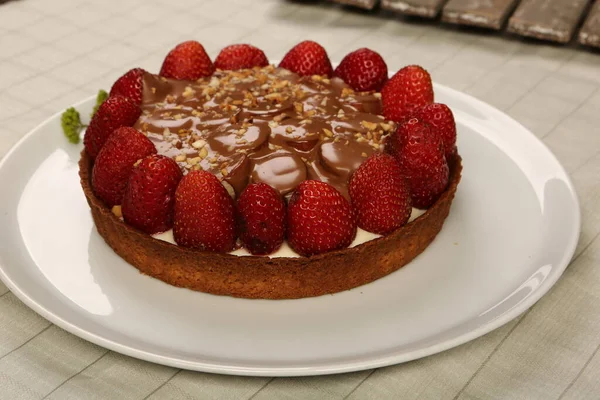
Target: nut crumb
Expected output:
[117,211]
[198,144]
[369,125]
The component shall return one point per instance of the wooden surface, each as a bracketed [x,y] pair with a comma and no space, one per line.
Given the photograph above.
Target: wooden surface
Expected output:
[553,20]
[482,13]
[420,8]
[590,32]
[549,20]
[54,53]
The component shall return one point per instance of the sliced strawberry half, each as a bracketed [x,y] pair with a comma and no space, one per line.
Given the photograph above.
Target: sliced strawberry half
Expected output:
[204,214]
[406,92]
[130,85]
[319,219]
[241,56]
[380,194]
[187,61]
[307,58]
[117,111]
[363,69]
[149,197]
[116,161]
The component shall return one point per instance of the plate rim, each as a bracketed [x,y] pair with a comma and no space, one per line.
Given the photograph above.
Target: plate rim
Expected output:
[334,367]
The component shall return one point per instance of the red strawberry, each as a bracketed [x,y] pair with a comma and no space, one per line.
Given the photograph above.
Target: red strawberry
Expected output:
[261,219]
[319,219]
[116,160]
[307,58]
[380,194]
[115,112]
[407,91]
[204,213]
[189,61]
[149,196]
[441,120]
[363,70]
[240,56]
[421,156]
[130,85]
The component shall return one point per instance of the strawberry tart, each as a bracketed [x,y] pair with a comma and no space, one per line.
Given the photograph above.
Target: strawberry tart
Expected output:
[237,177]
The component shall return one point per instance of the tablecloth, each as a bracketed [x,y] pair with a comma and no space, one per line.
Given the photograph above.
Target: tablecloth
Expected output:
[54,53]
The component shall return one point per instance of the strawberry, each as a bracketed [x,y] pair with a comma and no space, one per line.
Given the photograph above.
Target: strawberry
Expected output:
[240,56]
[187,61]
[130,85]
[407,91]
[380,194]
[261,218]
[363,70]
[421,156]
[204,213]
[441,121]
[115,162]
[319,219]
[307,58]
[149,196]
[115,112]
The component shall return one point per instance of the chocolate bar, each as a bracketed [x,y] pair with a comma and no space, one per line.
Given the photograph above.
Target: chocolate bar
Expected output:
[366,4]
[589,34]
[483,13]
[419,8]
[553,20]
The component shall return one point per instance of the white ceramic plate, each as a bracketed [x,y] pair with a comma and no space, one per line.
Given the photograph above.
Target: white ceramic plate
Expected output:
[511,232]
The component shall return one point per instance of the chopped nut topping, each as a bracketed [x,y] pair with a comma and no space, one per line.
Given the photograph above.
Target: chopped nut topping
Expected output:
[188,92]
[180,157]
[386,127]
[279,118]
[363,154]
[117,211]
[198,144]
[369,125]
[203,153]
[194,160]
[328,132]
[229,189]
[347,92]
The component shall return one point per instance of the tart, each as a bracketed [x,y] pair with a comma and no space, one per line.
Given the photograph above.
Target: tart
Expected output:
[275,126]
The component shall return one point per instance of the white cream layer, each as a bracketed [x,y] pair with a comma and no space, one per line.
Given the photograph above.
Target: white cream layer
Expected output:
[285,250]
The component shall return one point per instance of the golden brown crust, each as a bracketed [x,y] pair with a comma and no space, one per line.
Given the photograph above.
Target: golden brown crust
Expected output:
[269,278]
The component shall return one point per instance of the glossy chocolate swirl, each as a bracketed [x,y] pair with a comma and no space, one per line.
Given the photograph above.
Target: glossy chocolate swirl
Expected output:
[264,125]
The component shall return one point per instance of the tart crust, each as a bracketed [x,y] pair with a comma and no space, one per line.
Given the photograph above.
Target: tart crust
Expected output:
[258,277]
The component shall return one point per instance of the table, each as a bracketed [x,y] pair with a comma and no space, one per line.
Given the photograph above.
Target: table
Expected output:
[54,53]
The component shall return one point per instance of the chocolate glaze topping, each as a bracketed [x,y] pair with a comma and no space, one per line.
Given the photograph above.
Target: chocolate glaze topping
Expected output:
[264,125]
